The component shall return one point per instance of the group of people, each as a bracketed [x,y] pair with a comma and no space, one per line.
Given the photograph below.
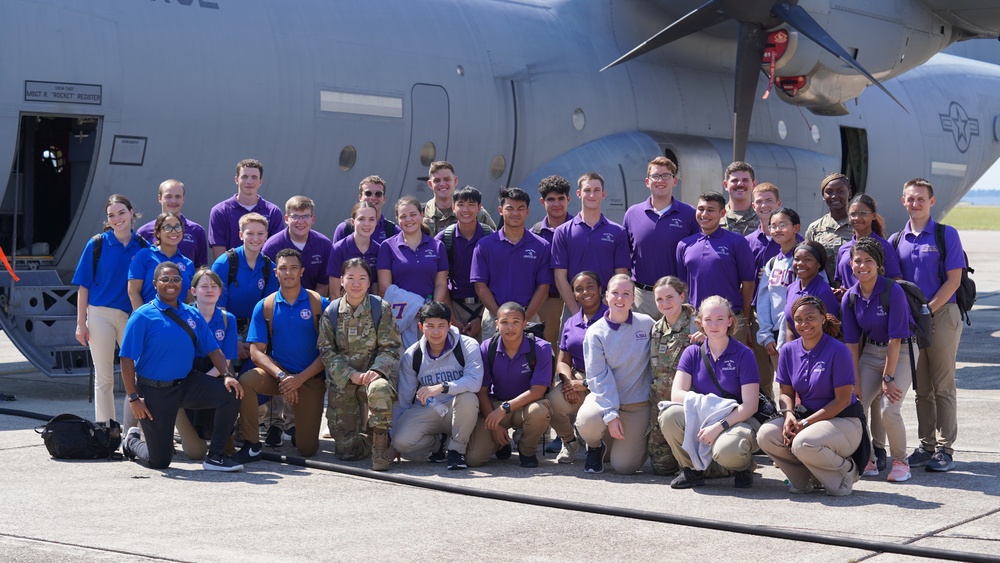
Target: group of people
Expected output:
[434,336]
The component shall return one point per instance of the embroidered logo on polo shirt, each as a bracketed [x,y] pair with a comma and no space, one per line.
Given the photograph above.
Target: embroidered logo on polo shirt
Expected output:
[306,314]
[530,254]
[182,267]
[879,311]
[641,335]
[676,223]
[260,283]
[723,251]
[929,248]
[191,323]
[188,237]
[220,335]
[317,258]
[729,365]
[818,368]
[429,253]
[525,368]
[608,237]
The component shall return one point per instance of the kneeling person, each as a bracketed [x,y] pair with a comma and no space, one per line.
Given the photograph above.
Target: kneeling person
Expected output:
[282,340]
[439,377]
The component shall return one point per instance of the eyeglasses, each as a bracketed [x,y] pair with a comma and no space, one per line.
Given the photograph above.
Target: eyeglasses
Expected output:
[172,228]
[780,226]
[369,193]
[169,279]
[858,214]
[300,217]
[660,177]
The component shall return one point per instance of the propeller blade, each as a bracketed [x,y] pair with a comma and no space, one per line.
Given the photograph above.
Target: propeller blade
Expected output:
[800,19]
[704,17]
[749,53]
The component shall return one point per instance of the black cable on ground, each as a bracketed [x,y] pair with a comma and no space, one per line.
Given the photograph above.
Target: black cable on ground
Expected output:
[733,527]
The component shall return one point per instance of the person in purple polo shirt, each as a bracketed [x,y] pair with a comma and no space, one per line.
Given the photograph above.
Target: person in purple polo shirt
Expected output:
[654,227]
[194,244]
[224,219]
[809,262]
[879,341]
[512,264]
[412,259]
[300,216]
[938,271]
[866,222]
[372,191]
[820,440]
[360,243]
[513,391]
[718,262]
[554,192]
[589,241]
[460,241]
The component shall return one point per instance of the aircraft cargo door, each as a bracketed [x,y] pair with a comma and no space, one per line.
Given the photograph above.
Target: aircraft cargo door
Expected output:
[429,125]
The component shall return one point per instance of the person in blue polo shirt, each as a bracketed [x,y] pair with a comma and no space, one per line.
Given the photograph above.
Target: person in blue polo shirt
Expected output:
[168,231]
[282,337]
[300,216]
[162,339]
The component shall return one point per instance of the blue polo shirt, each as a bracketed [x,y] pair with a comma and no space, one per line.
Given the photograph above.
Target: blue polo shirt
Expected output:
[315,255]
[716,264]
[509,377]
[194,245]
[109,285]
[160,348]
[224,331]
[574,330]
[651,236]
[845,275]
[460,272]
[735,368]
[249,287]
[512,271]
[603,249]
[346,249]
[378,235]
[920,259]
[818,287]
[292,328]
[869,317]
[413,270]
[816,373]
[144,265]
[224,221]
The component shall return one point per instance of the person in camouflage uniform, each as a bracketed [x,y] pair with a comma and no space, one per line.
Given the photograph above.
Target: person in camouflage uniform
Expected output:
[361,360]
[833,229]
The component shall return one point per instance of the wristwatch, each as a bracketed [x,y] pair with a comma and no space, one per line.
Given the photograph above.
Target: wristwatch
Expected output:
[133,397]
[506,407]
[282,375]
[888,378]
[585,385]
[804,423]
[725,425]
[445,387]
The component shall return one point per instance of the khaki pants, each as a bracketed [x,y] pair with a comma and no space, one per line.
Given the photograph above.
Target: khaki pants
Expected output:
[764,362]
[562,410]
[822,450]
[871,367]
[106,326]
[645,303]
[551,313]
[627,455]
[533,419]
[936,396]
[416,431]
[733,449]
[460,311]
[308,410]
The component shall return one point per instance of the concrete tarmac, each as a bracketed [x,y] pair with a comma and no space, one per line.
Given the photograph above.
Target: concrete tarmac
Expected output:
[120,511]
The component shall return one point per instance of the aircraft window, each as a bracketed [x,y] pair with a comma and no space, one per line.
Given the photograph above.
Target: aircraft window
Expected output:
[782,129]
[54,158]
[348,156]
[460,70]
[815,133]
[498,166]
[579,119]
[428,153]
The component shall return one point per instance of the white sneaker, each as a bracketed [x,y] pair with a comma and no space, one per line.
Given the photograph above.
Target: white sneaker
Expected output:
[568,452]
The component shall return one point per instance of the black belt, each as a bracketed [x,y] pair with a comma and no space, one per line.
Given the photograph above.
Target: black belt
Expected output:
[159,383]
[643,286]
[884,344]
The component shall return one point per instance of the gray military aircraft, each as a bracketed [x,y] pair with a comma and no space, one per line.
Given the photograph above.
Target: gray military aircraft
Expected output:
[109,96]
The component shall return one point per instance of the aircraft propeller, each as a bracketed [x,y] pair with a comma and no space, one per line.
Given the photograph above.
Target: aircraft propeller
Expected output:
[755,17]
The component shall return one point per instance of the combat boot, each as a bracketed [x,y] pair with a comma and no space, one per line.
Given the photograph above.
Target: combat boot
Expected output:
[380,450]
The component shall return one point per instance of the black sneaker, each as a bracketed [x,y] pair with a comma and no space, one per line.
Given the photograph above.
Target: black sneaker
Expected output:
[554,447]
[290,434]
[595,459]
[456,460]
[273,438]
[689,478]
[441,454]
[880,459]
[248,453]
[220,462]
[744,479]
[919,457]
[528,461]
[940,461]
[127,442]
[504,453]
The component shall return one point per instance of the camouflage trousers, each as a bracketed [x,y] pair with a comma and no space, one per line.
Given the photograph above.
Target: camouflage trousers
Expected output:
[343,415]
[662,458]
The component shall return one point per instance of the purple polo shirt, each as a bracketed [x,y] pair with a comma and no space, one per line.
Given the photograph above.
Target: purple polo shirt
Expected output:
[845,275]
[545,231]
[412,270]
[715,265]
[868,316]
[345,249]
[378,235]
[576,247]
[735,368]
[651,236]
[224,221]
[315,255]
[814,374]
[818,287]
[512,271]
[459,274]
[509,377]
[920,260]
[194,245]
[574,329]
[763,248]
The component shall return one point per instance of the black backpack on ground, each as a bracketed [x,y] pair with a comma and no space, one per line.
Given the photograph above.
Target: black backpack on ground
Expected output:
[68,436]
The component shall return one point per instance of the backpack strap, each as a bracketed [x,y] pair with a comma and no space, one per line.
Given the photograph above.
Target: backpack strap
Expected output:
[99,244]
[268,317]
[376,304]
[448,238]
[491,351]
[418,356]
[172,315]
[942,250]
[316,304]
[390,228]
[348,227]
[234,266]
[711,373]
[268,270]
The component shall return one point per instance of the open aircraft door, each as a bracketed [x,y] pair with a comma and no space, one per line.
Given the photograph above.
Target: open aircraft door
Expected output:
[429,124]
